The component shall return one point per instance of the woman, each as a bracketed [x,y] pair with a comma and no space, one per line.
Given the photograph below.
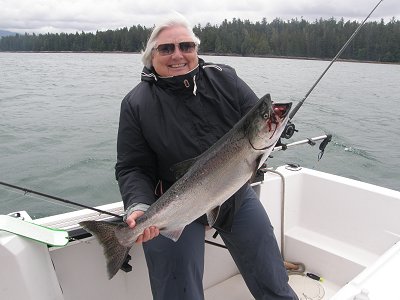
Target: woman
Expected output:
[180,108]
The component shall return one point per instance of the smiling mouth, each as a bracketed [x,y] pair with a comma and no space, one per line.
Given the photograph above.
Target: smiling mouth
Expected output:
[177,66]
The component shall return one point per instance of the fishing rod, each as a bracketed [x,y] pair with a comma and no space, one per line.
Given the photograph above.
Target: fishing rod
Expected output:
[326,138]
[311,141]
[290,128]
[29,191]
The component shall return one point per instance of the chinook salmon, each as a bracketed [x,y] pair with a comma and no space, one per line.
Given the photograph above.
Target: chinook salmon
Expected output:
[208,182]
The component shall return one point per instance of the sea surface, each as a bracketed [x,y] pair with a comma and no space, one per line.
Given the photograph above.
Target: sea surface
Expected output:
[59,119]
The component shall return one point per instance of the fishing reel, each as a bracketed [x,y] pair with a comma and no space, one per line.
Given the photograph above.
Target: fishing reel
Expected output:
[289,130]
[287,133]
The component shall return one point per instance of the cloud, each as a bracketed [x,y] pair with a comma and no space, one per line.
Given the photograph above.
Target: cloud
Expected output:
[90,15]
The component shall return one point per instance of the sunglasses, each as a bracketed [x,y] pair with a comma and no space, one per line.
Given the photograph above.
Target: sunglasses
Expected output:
[168,49]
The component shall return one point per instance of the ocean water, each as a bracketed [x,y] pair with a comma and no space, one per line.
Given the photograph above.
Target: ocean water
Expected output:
[59,120]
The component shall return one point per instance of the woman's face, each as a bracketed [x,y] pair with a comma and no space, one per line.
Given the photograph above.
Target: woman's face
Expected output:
[174,60]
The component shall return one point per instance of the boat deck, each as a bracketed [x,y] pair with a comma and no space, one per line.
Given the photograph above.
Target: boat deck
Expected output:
[235,288]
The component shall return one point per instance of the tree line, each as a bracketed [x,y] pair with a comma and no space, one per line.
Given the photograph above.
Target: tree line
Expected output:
[377,41]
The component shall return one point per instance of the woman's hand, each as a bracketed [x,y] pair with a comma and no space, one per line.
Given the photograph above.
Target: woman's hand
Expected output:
[148,233]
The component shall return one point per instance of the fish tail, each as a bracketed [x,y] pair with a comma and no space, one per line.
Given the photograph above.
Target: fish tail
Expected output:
[114,252]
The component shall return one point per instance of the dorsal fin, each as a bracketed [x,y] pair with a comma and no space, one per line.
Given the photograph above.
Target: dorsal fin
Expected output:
[182,167]
[212,215]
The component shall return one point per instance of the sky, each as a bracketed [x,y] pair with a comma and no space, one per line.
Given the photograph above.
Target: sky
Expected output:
[70,16]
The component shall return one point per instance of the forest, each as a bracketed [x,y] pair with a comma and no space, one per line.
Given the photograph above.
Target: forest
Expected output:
[320,39]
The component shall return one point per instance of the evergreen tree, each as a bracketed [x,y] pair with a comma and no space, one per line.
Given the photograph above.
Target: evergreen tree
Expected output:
[377,41]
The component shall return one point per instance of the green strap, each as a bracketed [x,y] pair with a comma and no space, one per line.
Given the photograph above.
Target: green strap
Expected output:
[42,234]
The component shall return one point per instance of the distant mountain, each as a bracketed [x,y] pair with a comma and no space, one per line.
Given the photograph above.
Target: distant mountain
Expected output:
[6,33]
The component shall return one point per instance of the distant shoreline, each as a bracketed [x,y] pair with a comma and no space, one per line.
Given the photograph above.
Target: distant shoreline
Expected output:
[220,54]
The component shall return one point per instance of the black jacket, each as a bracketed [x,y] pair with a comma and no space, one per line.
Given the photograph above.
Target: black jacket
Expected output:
[164,121]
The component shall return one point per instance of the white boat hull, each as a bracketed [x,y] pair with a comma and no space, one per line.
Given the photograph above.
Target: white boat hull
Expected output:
[343,230]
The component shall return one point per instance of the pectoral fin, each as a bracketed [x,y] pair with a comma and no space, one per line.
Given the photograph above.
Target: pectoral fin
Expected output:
[212,215]
[172,234]
[262,159]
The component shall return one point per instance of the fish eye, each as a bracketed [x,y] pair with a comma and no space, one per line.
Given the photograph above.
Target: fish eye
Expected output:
[265,116]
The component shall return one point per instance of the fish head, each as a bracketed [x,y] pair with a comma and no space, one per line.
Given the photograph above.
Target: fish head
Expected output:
[266,122]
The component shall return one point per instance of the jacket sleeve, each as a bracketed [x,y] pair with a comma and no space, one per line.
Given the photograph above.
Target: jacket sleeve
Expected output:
[135,169]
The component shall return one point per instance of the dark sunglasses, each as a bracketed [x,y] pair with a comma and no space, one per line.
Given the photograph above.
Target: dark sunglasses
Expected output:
[168,49]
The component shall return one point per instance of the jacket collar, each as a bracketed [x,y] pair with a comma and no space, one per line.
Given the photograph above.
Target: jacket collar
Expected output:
[183,83]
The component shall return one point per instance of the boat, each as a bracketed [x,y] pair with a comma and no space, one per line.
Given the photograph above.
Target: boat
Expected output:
[342,234]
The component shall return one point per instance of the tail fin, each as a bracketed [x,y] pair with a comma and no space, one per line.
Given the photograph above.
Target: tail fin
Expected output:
[114,252]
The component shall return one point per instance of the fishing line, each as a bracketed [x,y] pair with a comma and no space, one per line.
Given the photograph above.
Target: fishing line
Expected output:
[294,111]
[29,191]
[22,195]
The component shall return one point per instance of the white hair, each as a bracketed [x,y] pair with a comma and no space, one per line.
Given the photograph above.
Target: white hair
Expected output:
[175,20]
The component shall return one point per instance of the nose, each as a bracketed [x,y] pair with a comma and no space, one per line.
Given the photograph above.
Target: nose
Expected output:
[177,53]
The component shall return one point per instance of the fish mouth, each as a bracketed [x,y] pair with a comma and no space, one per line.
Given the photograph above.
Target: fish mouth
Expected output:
[279,113]
[281,110]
